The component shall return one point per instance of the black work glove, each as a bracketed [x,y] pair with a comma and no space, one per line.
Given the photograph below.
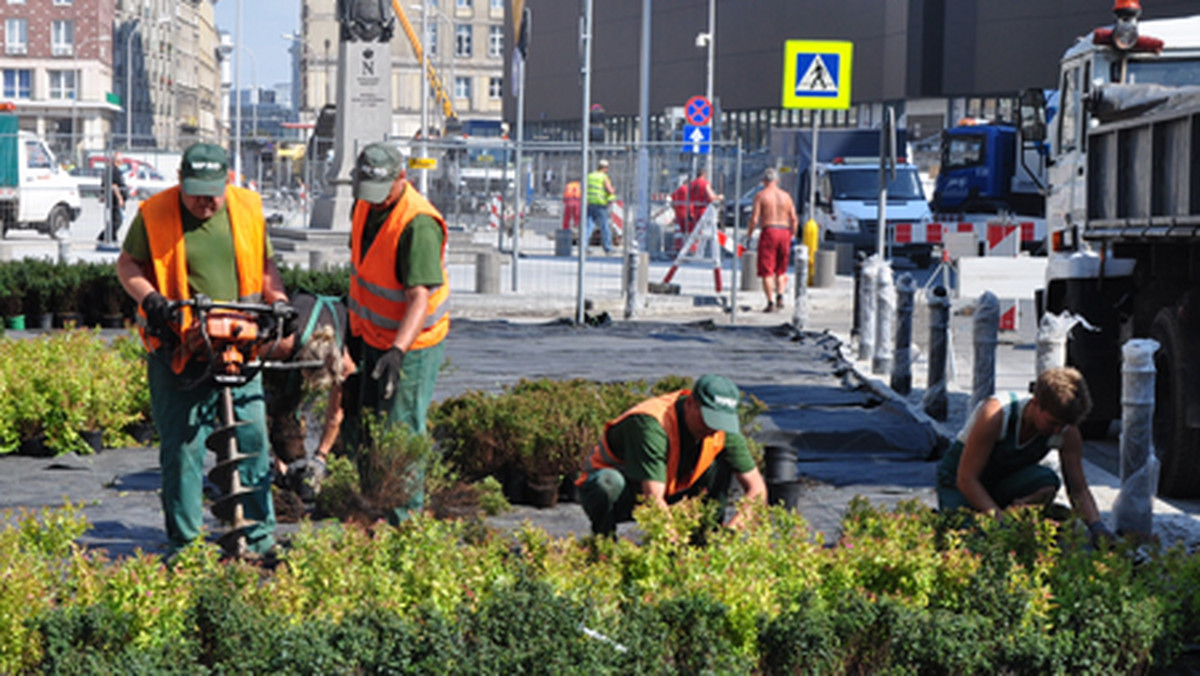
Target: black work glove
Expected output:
[159,315]
[288,318]
[387,370]
[1099,533]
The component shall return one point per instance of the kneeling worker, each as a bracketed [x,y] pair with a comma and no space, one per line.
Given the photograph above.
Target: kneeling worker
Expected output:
[993,464]
[669,447]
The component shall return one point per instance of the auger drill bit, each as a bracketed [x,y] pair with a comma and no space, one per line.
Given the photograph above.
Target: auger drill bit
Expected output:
[228,508]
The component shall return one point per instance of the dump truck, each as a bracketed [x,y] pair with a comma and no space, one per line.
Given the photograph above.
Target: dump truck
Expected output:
[35,193]
[1123,213]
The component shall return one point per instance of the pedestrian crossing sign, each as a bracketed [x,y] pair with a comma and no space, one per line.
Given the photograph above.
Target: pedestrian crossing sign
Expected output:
[816,74]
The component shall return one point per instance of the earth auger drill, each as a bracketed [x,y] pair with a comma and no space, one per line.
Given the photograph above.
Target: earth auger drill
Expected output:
[230,338]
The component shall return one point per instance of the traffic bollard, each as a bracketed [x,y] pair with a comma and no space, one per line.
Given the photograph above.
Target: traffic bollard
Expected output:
[800,302]
[866,308]
[935,400]
[1134,506]
[902,362]
[885,318]
[986,330]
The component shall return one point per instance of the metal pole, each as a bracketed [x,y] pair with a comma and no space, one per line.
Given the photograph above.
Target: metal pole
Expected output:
[812,169]
[737,235]
[520,182]
[585,37]
[423,177]
[129,83]
[642,219]
[885,172]
[708,87]
[237,95]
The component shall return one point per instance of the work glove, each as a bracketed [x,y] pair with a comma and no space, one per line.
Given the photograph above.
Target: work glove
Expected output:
[288,318]
[159,315]
[387,371]
[1099,533]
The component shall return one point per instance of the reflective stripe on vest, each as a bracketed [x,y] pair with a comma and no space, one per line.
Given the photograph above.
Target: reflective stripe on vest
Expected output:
[596,192]
[663,410]
[163,217]
[377,303]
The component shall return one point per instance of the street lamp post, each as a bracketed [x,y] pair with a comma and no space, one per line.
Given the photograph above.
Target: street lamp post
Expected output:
[237,97]
[77,92]
[708,88]
[423,184]
[253,110]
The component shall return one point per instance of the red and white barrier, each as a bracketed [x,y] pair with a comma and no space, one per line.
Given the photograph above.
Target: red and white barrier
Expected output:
[494,215]
[935,232]
[616,217]
[1003,239]
[1008,314]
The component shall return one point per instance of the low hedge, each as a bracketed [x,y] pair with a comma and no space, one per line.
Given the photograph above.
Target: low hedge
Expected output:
[901,591]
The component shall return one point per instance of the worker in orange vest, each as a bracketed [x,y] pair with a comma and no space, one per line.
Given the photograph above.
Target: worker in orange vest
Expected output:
[681,444]
[572,198]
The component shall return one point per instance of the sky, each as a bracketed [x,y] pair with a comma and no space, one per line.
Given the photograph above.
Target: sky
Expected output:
[263,22]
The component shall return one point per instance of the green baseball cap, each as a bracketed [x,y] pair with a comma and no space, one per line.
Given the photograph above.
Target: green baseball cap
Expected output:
[377,168]
[204,170]
[718,398]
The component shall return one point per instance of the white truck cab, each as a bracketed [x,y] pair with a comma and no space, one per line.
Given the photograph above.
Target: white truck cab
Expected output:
[35,193]
[847,204]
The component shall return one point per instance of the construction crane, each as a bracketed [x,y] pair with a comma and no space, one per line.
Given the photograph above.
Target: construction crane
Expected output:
[435,82]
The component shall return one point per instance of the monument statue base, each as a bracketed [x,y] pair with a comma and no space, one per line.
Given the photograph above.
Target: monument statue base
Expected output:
[331,211]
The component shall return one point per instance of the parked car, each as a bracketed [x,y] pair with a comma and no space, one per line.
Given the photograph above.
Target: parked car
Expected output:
[88,179]
[144,181]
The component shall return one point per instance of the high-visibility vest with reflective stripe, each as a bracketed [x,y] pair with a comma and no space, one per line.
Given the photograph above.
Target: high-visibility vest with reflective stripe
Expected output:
[663,410]
[377,304]
[596,192]
[163,218]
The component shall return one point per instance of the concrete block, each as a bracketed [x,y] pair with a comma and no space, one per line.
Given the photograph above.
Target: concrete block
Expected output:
[749,271]
[487,272]
[823,271]
[563,243]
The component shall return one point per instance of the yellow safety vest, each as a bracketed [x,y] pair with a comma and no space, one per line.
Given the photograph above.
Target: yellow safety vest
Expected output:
[596,192]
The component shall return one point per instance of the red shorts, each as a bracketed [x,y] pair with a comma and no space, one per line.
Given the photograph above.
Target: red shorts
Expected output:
[774,246]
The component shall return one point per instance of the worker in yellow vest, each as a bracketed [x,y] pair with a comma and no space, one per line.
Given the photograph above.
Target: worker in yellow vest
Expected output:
[397,304]
[681,444]
[201,237]
[600,194]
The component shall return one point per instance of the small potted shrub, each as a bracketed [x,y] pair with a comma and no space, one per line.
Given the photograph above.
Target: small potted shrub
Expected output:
[67,295]
[37,280]
[12,299]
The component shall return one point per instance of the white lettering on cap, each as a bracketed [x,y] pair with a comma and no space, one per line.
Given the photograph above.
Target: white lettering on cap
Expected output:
[725,402]
[205,165]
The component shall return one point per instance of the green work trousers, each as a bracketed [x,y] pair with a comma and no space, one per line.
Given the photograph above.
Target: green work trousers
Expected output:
[1023,482]
[184,419]
[608,497]
[408,406]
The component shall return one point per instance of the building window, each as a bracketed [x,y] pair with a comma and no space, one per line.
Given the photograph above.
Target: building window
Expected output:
[462,40]
[62,84]
[16,83]
[16,2]
[433,38]
[62,38]
[64,3]
[495,87]
[463,4]
[496,41]
[15,36]
[497,4]
[462,88]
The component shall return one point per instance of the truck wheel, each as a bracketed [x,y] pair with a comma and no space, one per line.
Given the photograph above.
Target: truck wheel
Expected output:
[1174,442]
[60,220]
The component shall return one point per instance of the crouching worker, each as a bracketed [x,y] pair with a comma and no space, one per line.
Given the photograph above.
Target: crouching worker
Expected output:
[993,464]
[293,394]
[678,445]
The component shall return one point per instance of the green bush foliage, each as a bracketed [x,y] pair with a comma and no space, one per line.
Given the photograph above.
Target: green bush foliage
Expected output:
[66,382]
[901,591]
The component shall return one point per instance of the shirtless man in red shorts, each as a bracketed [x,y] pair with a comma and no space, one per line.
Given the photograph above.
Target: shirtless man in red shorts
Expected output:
[774,210]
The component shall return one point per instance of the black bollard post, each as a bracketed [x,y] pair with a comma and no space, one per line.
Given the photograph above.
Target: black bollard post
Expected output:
[902,361]
[987,327]
[859,257]
[935,400]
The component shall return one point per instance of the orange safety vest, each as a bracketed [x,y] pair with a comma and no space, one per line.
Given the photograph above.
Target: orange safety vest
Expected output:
[573,192]
[377,304]
[163,219]
[663,410]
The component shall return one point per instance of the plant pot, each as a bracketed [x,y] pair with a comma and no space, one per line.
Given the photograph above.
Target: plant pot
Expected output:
[113,321]
[781,464]
[786,493]
[66,319]
[94,439]
[542,491]
[142,433]
[35,447]
[512,483]
[567,490]
[15,323]
[45,321]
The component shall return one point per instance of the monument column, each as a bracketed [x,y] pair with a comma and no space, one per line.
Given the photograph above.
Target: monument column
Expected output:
[364,103]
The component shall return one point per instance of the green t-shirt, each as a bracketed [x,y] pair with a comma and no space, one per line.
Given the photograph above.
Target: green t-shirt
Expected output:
[211,260]
[419,252]
[642,443]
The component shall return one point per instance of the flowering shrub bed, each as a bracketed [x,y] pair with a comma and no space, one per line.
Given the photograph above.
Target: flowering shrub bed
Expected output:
[902,591]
